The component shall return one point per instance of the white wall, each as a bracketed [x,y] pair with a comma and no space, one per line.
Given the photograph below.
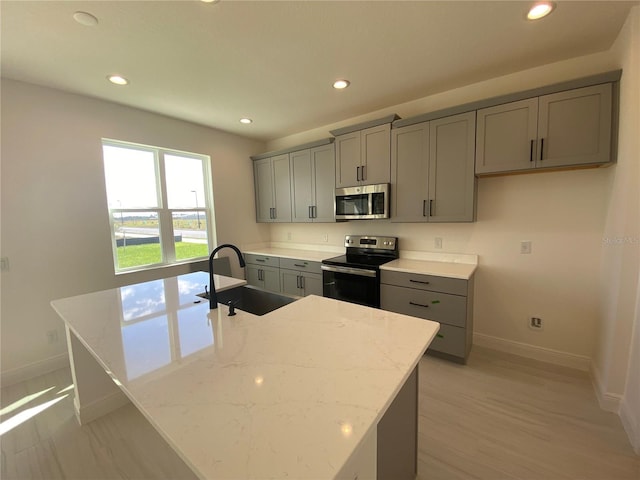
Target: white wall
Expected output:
[617,357]
[55,227]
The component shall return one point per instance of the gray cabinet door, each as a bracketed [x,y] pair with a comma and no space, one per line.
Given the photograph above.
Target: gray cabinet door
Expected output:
[409,173]
[290,282]
[263,181]
[376,155]
[452,183]
[253,275]
[301,185]
[312,283]
[271,279]
[506,137]
[348,150]
[281,188]
[574,127]
[323,164]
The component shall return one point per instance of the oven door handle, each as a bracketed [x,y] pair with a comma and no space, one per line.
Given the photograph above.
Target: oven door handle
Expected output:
[351,271]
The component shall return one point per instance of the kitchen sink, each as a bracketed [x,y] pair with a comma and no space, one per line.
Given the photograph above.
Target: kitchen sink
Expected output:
[252,299]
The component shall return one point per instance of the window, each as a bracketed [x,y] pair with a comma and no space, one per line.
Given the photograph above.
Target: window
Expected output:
[160,205]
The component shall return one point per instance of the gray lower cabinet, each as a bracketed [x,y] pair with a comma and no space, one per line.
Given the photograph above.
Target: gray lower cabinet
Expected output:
[448,301]
[564,129]
[313,184]
[273,189]
[263,271]
[300,277]
[432,171]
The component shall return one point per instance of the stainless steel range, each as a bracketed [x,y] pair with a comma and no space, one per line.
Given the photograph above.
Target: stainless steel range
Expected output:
[355,276]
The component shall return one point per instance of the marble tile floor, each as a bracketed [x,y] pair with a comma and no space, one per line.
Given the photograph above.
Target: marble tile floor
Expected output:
[499,417]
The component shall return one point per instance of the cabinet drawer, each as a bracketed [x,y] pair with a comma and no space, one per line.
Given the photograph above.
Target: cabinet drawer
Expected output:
[455,286]
[262,260]
[439,307]
[451,340]
[300,265]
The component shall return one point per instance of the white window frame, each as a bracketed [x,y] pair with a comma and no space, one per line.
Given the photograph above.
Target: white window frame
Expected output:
[165,214]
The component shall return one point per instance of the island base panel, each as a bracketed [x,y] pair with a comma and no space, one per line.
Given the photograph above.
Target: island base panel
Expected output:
[96,394]
[397,457]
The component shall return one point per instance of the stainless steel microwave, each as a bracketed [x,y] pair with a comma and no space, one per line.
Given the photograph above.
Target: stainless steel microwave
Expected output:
[363,202]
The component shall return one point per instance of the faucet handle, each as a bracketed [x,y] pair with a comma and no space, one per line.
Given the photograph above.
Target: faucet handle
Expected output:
[232,308]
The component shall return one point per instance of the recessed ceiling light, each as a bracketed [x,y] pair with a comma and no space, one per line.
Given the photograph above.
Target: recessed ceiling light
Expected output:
[86,19]
[340,84]
[118,80]
[539,10]
[246,121]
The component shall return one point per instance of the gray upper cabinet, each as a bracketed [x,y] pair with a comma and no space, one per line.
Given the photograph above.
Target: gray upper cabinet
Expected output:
[506,137]
[567,128]
[574,127]
[363,157]
[432,171]
[272,189]
[312,184]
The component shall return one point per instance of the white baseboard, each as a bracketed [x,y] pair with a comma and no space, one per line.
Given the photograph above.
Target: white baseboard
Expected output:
[35,369]
[542,354]
[98,408]
[609,402]
[631,424]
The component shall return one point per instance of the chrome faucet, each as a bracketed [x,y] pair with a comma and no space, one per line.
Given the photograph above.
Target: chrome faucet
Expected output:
[213,298]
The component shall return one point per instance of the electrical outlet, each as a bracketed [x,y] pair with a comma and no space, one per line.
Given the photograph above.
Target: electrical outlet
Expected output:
[525,247]
[535,323]
[52,336]
[437,242]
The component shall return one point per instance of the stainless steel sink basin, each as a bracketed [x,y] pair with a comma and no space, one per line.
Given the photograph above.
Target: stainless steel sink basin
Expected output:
[252,300]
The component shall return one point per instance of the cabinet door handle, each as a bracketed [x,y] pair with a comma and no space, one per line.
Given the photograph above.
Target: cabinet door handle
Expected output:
[301,281]
[275,213]
[424,208]
[418,304]
[358,174]
[364,172]
[431,208]
[297,281]
[259,274]
[315,212]
[531,152]
[310,211]
[541,149]
[418,281]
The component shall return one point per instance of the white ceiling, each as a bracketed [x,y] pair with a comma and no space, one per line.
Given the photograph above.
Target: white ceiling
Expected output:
[275,61]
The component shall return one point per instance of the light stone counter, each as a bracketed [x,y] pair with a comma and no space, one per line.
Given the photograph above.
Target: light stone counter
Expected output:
[308,255]
[296,393]
[431,267]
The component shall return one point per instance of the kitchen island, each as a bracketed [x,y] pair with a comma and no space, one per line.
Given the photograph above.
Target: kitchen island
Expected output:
[316,389]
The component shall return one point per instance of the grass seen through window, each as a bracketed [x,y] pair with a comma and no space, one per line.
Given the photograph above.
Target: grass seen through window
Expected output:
[148,254]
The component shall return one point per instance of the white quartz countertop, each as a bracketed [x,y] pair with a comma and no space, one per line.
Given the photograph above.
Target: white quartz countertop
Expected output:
[430,267]
[309,255]
[290,394]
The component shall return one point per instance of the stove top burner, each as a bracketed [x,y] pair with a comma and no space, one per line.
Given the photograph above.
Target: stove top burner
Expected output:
[366,251]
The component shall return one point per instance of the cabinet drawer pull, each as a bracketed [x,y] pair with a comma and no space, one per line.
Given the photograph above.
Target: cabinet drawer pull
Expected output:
[531,152]
[439,335]
[299,265]
[418,281]
[418,304]
[260,260]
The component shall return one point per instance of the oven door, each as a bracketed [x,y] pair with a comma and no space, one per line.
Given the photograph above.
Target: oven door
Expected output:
[355,285]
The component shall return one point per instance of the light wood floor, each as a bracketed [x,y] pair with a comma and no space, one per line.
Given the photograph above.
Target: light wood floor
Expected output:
[499,417]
